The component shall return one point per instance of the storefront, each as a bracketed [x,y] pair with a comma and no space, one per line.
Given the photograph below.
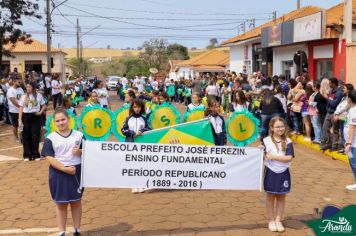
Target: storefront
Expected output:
[327,59]
[284,60]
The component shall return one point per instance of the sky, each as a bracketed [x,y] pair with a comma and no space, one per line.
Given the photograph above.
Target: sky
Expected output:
[129,23]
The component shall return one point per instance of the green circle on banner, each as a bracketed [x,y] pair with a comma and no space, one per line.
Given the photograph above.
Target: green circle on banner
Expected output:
[96,123]
[119,118]
[242,128]
[51,126]
[163,116]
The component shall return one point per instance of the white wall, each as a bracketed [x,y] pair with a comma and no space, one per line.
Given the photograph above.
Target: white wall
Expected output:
[286,54]
[237,57]
[58,60]
[185,72]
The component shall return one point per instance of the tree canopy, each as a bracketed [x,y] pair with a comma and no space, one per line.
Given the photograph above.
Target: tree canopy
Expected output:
[11,14]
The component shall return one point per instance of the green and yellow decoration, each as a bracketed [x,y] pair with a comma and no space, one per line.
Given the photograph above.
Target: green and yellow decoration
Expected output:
[197,113]
[96,123]
[242,128]
[164,115]
[119,118]
[51,125]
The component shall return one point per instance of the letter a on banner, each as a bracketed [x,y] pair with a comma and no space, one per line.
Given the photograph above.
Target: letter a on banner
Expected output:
[96,123]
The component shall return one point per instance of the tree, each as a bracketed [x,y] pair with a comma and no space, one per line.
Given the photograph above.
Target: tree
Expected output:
[213,43]
[155,53]
[86,66]
[177,52]
[11,13]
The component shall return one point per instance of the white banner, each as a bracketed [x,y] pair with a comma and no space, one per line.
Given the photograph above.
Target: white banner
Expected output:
[307,28]
[136,165]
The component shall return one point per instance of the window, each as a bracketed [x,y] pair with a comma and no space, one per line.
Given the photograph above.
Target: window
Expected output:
[325,69]
[288,69]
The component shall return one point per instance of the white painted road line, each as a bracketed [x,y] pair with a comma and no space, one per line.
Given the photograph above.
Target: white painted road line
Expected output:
[7,149]
[6,134]
[28,231]
[8,158]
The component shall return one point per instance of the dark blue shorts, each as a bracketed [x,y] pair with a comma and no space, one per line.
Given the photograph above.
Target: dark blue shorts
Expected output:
[277,183]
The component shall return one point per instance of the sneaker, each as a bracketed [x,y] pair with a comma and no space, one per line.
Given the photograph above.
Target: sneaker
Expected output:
[333,149]
[61,234]
[307,139]
[325,147]
[37,159]
[342,151]
[280,227]
[351,187]
[26,159]
[76,233]
[272,226]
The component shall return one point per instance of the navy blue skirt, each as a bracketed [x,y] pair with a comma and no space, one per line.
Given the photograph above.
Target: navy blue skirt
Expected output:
[277,183]
[65,188]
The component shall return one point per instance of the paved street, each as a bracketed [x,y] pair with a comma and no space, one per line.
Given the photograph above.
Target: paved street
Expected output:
[26,205]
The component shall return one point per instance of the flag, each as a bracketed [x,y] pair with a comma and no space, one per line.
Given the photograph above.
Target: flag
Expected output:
[196,132]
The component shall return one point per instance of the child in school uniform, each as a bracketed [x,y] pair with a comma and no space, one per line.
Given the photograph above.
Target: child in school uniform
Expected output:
[62,150]
[135,125]
[68,105]
[93,100]
[277,181]
[196,103]
[217,123]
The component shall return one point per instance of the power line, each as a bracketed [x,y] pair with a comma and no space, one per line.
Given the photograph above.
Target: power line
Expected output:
[161,19]
[169,12]
[137,24]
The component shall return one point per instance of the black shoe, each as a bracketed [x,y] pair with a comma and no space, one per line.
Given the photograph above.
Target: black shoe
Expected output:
[325,147]
[342,151]
[76,234]
[333,149]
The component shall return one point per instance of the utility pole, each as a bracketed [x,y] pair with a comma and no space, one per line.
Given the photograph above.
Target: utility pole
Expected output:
[298,4]
[49,56]
[81,58]
[348,21]
[78,47]
[274,15]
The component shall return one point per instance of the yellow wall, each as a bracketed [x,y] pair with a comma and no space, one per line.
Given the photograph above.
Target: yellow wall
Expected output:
[351,64]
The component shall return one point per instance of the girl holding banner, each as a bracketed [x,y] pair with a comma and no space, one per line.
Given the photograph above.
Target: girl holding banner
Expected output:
[217,123]
[135,125]
[62,150]
[277,182]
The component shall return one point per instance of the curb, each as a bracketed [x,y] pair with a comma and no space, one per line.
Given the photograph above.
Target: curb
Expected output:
[335,155]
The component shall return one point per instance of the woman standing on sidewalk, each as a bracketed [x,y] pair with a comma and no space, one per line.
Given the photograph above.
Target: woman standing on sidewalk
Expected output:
[62,150]
[32,106]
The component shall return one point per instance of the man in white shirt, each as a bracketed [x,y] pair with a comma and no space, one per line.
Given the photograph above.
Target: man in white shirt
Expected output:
[124,82]
[13,96]
[56,92]
[136,81]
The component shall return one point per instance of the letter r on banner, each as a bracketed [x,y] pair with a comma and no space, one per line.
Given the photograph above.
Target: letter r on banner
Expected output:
[97,123]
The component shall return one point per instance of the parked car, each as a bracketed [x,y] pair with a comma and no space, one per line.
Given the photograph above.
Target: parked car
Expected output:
[111,82]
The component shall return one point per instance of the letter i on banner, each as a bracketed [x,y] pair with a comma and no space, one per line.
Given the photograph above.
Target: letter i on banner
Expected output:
[96,123]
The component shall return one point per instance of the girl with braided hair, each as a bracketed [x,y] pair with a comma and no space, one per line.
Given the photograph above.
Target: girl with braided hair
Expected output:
[277,182]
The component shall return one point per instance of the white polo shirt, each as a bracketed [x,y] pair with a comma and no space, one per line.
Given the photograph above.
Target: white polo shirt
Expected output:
[14,93]
[30,104]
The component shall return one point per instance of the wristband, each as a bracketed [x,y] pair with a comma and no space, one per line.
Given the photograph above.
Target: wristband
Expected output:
[347,144]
